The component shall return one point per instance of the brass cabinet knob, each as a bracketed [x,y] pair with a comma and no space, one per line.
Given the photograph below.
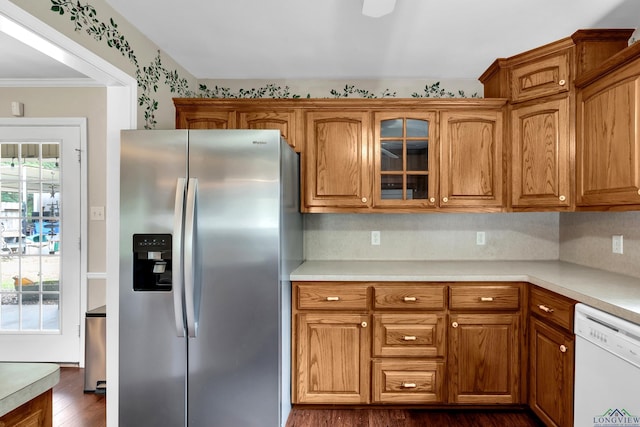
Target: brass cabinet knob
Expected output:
[563,348]
[454,324]
[364,324]
[562,198]
[433,199]
[364,200]
[445,199]
[562,82]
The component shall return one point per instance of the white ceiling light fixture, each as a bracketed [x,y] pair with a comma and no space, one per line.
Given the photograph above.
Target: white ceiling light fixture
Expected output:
[377,8]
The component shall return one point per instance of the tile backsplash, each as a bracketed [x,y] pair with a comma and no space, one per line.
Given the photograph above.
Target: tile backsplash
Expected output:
[448,236]
[585,238]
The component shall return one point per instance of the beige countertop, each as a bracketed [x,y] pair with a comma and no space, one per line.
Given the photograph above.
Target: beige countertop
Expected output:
[21,382]
[614,293]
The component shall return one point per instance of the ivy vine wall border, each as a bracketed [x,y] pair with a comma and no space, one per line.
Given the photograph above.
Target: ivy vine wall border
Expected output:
[149,77]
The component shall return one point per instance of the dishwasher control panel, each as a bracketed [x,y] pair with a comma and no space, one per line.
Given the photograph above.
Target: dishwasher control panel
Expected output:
[616,335]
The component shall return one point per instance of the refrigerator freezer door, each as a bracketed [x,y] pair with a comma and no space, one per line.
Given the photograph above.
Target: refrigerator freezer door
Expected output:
[152,358]
[234,362]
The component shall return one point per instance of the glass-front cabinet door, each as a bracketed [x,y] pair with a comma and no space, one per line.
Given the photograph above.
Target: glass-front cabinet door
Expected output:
[405,163]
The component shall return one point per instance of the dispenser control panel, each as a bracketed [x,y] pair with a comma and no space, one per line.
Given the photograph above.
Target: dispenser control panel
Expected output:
[152,262]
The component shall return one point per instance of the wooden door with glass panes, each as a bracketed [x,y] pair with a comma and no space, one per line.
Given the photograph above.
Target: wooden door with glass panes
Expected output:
[405,164]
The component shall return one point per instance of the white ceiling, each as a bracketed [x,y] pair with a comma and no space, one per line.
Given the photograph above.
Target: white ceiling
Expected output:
[331,39]
[295,39]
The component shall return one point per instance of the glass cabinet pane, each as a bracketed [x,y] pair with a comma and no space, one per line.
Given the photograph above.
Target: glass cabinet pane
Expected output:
[417,128]
[391,156]
[417,187]
[418,155]
[391,187]
[391,128]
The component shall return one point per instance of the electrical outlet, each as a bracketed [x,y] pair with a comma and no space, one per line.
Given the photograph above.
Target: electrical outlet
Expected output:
[97,213]
[617,244]
[481,238]
[375,238]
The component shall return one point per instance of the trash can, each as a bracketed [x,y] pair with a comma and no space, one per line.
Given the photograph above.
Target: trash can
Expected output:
[95,350]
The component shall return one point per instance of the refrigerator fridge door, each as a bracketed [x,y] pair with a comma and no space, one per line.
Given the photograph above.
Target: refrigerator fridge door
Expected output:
[234,361]
[152,357]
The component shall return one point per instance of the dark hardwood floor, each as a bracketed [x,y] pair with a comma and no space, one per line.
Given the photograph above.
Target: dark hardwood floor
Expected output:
[72,407]
[409,418]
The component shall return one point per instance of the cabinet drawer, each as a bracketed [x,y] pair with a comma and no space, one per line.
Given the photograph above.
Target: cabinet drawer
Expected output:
[419,381]
[546,76]
[412,297]
[413,335]
[334,296]
[484,297]
[552,307]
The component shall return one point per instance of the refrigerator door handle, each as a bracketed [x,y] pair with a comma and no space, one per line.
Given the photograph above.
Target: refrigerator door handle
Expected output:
[177,268]
[189,257]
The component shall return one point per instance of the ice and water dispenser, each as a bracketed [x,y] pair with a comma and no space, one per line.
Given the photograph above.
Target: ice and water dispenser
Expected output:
[151,262]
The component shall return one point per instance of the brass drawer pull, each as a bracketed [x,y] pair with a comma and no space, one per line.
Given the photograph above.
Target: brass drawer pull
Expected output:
[545,308]
[410,299]
[409,338]
[409,385]
[486,299]
[333,298]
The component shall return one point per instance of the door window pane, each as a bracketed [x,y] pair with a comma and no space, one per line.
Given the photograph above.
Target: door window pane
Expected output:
[417,187]
[29,234]
[391,187]
[391,128]
[417,128]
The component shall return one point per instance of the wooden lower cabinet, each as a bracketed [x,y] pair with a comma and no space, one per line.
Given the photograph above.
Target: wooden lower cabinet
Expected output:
[551,374]
[408,381]
[415,343]
[551,357]
[484,358]
[38,412]
[333,354]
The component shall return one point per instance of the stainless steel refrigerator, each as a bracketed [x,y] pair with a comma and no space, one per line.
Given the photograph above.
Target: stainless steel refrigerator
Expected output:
[209,232]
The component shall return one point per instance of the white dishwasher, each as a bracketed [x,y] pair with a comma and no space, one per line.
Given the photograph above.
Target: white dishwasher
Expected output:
[607,370]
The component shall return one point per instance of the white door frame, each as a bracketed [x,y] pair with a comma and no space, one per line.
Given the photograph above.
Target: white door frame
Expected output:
[121,114]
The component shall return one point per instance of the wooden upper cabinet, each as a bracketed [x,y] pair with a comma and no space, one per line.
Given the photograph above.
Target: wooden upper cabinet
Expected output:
[471,159]
[543,77]
[199,119]
[287,122]
[405,163]
[608,143]
[336,161]
[540,160]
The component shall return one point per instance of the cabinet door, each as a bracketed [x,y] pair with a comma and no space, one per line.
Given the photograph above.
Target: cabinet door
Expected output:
[608,148]
[540,156]
[203,119]
[333,353]
[405,159]
[551,374]
[337,166]
[284,121]
[484,358]
[471,159]
[541,77]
